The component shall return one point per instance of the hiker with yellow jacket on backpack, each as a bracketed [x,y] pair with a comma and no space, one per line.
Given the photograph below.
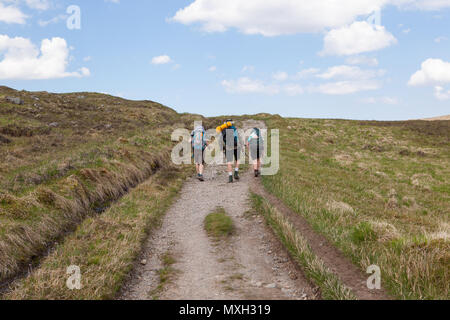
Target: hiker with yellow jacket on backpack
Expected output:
[231,144]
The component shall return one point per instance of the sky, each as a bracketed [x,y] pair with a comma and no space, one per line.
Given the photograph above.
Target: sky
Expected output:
[352,59]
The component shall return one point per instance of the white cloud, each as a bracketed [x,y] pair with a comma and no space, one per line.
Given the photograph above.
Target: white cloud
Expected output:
[350,72]
[433,72]
[278,17]
[440,39]
[441,94]
[275,17]
[389,100]
[212,69]
[348,80]
[341,80]
[345,87]
[244,85]
[280,76]
[293,89]
[372,62]
[11,14]
[248,69]
[85,72]
[164,59]
[369,100]
[23,60]
[38,4]
[306,73]
[380,100]
[357,38]
[58,18]
[247,85]
[429,5]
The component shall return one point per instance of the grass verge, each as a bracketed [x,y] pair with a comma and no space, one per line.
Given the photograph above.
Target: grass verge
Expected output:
[166,274]
[329,284]
[218,224]
[105,247]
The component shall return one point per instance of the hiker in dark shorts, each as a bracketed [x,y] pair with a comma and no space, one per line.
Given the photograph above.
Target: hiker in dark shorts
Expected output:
[255,144]
[199,145]
[231,148]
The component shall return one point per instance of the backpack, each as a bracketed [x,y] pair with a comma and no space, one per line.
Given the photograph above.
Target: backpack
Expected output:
[256,135]
[198,139]
[255,139]
[257,132]
[235,134]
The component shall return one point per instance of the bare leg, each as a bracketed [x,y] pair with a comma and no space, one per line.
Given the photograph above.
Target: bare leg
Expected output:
[230,167]
[255,165]
[201,168]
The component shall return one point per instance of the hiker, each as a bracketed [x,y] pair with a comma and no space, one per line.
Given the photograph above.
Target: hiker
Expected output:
[255,144]
[231,148]
[199,145]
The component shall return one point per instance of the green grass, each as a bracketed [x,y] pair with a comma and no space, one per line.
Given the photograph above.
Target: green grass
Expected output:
[55,179]
[168,259]
[166,274]
[395,200]
[330,285]
[218,224]
[105,247]
[363,232]
[101,148]
[393,175]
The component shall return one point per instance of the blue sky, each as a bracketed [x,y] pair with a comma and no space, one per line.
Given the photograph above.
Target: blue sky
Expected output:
[295,58]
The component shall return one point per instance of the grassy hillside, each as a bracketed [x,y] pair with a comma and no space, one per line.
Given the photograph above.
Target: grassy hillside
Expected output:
[64,157]
[88,175]
[380,191]
[438,118]
[105,247]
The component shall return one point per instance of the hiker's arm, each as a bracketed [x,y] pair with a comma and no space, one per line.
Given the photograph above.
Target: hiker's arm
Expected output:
[248,142]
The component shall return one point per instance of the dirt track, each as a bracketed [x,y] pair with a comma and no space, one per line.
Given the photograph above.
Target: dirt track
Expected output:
[250,265]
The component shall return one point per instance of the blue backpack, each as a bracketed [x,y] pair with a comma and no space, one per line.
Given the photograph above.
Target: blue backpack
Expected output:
[198,139]
[255,137]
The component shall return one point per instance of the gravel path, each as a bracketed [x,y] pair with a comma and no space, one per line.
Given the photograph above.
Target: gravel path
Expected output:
[252,264]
